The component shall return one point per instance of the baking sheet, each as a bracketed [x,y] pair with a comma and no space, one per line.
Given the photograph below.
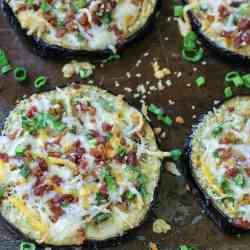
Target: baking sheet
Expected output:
[174,204]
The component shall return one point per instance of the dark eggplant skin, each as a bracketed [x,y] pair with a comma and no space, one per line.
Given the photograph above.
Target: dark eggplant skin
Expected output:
[223,53]
[223,221]
[47,50]
[96,244]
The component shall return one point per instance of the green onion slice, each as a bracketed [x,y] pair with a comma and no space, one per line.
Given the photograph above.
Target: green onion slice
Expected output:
[27,246]
[200,81]
[193,56]
[40,81]
[20,74]
[228,92]
[3,58]
[5,69]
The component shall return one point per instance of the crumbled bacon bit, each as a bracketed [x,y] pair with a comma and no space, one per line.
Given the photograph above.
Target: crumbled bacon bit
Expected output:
[55,179]
[179,120]
[41,190]
[4,157]
[106,127]
[223,11]
[247,170]
[60,33]
[240,222]
[231,172]
[231,109]
[32,111]
[84,21]
[132,159]
[54,154]
[55,209]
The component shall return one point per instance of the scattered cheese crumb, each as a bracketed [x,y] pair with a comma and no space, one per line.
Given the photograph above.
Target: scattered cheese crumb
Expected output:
[157,130]
[179,120]
[128,74]
[74,67]
[160,73]
[152,246]
[144,110]
[161,226]
[171,168]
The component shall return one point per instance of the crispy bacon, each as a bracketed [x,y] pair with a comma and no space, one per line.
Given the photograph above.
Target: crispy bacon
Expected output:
[42,189]
[223,12]
[55,208]
[32,111]
[231,172]
[4,157]
[55,179]
[106,127]
[240,222]
[60,32]
[132,159]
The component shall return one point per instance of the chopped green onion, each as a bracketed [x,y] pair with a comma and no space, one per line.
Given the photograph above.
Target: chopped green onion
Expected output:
[5,69]
[20,74]
[3,58]
[225,185]
[2,191]
[44,6]
[175,154]
[20,150]
[30,2]
[122,151]
[27,246]
[79,4]
[231,75]
[107,19]
[92,143]
[24,171]
[167,120]
[193,56]
[178,10]
[184,247]
[155,110]
[101,217]
[190,41]
[240,180]
[85,73]
[228,92]
[40,81]
[111,58]
[217,130]
[246,79]
[200,81]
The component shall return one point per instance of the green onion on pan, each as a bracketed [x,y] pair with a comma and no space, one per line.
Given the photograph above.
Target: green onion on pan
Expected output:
[5,69]
[200,81]
[3,58]
[40,82]
[27,246]
[228,92]
[246,79]
[20,74]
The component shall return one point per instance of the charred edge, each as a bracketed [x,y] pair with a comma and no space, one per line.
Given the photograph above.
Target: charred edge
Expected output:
[46,50]
[221,52]
[220,219]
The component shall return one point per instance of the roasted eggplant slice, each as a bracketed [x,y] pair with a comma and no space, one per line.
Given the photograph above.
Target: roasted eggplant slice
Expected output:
[223,26]
[80,27]
[219,163]
[77,164]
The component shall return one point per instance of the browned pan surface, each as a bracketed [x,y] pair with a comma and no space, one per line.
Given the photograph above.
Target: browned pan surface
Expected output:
[174,204]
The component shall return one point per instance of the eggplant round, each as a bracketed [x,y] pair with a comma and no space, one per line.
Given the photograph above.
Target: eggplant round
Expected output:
[217,156]
[223,26]
[59,155]
[91,28]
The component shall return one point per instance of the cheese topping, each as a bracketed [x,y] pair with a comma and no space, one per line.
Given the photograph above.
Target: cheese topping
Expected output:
[226,22]
[78,156]
[83,24]
[221,157]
